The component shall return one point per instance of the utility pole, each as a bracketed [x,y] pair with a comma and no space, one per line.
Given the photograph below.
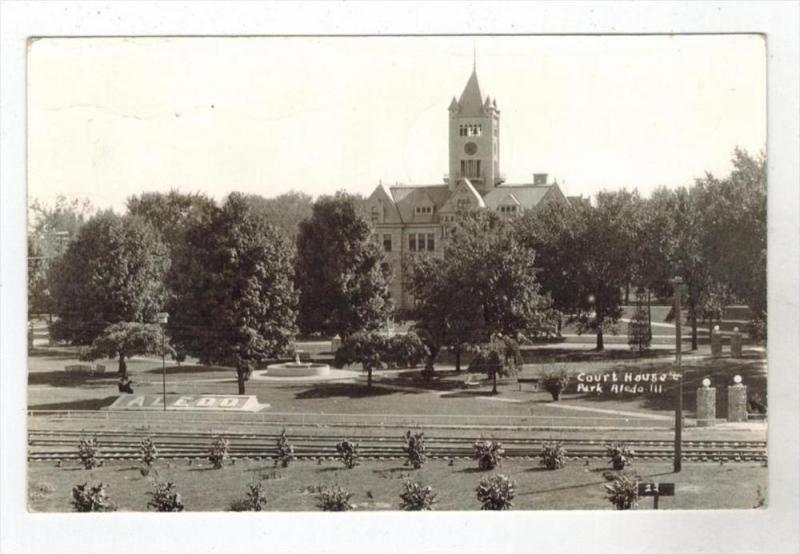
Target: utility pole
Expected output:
[163,318]
[676,462]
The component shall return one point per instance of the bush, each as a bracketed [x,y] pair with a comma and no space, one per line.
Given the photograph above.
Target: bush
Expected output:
[415,497]
[285,450]
[87,452]
[164,498]
[415,449]
[253,501]
[348,452]
[148,453]
[552,455]
[620,455]
[489,453]
[406,350]
[623,492]
[93,499]
[555,383]
[370,349]
[334,499]
[496,493]
[218,452]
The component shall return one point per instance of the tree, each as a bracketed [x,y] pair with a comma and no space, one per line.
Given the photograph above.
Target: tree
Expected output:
[233,297]
[170,214]
[370,349]
[50,229]
[485,285]
[584,254]
[125,339]
[340,271]
[285,211]
[111,272]
[734,212]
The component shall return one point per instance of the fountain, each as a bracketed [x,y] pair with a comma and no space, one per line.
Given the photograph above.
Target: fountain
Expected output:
[298,369]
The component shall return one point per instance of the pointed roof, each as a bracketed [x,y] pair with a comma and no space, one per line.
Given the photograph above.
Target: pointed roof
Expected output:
[471,100]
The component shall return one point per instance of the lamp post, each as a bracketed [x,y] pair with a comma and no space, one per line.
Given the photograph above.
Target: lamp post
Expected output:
[162,318]
[676,462]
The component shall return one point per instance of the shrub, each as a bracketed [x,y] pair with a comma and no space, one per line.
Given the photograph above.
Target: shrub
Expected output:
[415,449]
[218,451]
[415,497]
[87,451]
[93,499]
[370,349]
[348,452]
[285,450]
[496,493]
[253,501]
[552,455]
[148,452]
[620,455]
[489,453]
[164,498]
[334,499]
[555,383]
[623,492]
[406,350]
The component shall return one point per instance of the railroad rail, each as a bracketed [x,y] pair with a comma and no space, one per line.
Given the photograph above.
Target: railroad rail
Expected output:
[47,445]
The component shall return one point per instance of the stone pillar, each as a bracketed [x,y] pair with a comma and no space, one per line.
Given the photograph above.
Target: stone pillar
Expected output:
[736,343]
[737,401]
[706,404]
[716,342]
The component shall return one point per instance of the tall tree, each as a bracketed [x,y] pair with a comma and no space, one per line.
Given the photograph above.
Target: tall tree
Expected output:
[234,301]
[340,270]
[50,229]
[285,211]
[485,285]
[111,272]
[170,214]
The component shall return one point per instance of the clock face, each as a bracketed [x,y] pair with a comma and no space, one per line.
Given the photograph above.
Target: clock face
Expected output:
[471,148]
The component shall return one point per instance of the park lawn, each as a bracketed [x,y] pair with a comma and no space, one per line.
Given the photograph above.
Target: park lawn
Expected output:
[402,392]
[376,485]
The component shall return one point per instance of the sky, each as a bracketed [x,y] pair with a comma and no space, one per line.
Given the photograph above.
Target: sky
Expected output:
[113,117]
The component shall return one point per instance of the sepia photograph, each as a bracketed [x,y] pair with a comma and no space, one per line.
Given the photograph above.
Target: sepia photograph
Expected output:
[397,273]
[478,276]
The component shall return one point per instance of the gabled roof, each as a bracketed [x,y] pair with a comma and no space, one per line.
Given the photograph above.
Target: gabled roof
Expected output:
[407,198]
[471,101]
[464,187]
[528,196]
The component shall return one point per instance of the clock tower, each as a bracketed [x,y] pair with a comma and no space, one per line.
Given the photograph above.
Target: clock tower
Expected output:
[474,139]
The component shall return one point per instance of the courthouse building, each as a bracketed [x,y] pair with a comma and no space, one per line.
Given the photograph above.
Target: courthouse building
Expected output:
[414,218]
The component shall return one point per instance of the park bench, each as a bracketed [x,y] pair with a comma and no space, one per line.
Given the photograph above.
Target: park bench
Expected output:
[471,381]
[531,382]
[85,369]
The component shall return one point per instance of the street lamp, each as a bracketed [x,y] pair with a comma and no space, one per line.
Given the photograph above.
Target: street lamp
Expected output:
[162,318]
[676,462]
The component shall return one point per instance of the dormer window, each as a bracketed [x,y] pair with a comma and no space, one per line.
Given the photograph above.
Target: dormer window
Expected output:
[507,209]
[423,210]
[374,214]
[462,204]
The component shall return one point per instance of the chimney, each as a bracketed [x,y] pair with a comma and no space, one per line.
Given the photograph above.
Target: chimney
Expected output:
[540,178]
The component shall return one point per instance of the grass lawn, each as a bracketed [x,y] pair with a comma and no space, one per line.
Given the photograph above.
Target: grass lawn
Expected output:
[377,484]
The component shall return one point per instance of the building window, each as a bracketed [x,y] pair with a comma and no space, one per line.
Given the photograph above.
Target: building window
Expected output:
[430,242]
[507,209]
[412,242]
[374,214]
[387,243]
[463,204]
[423,210]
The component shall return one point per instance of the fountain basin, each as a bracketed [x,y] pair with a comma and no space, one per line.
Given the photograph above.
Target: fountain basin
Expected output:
[294,369]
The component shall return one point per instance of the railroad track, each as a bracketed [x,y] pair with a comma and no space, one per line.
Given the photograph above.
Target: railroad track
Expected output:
[124,445]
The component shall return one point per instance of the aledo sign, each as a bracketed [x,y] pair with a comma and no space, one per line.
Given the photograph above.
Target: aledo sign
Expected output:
[201,402]
[626,382]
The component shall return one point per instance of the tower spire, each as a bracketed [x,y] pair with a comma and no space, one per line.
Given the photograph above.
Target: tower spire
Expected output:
[474,59]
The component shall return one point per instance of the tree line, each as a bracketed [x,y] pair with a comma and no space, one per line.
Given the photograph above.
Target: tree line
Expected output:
[240,278]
